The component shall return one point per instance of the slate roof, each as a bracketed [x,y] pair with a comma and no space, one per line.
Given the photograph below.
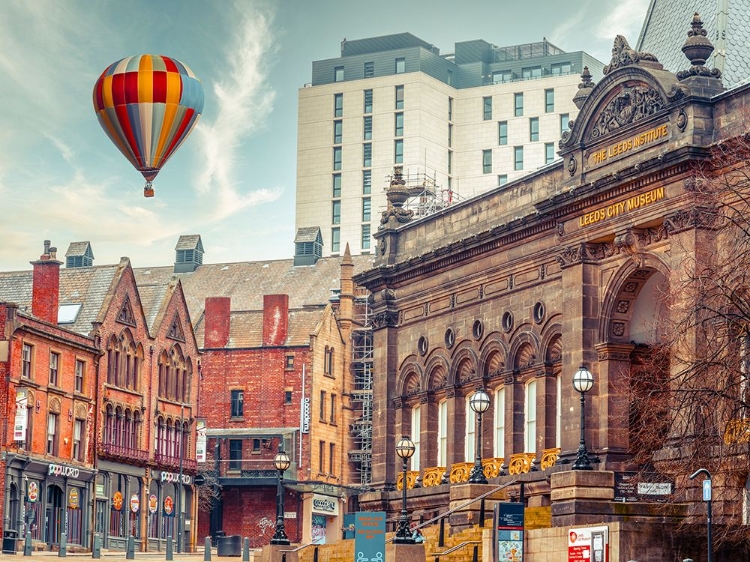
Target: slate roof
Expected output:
[87,286]
[668,21]
[80,249]
[189,242]
[246,282]
[246,327]
[307,234]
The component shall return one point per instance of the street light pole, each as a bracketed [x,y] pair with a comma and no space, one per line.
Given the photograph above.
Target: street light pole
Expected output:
[707,492]
[583,380]
[179,480]
[404,449]
[281,462]
[479,403]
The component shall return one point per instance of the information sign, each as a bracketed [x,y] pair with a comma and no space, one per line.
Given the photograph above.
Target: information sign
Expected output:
[510,526]
[588,544]
[369,539]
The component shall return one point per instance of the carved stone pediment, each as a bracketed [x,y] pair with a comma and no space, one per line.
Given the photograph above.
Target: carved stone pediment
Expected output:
[631,104]
[623,55]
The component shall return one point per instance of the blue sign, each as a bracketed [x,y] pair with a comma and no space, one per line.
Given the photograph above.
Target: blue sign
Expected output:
[369,540]
[510,526]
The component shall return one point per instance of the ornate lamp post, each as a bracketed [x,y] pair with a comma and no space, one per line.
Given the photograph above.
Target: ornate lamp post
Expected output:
[480,403]
[583,380]
[404,449]
[281,463]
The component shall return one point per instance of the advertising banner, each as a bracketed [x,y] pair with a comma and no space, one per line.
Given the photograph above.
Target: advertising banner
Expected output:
[369,536]
[19,427]
[200,441]
[588,544]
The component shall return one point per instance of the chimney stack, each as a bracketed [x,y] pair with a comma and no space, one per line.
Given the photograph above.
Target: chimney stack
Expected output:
[45,296]
[216,322]
[275,319]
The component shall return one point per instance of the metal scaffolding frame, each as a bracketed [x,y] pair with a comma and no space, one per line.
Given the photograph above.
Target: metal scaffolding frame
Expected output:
[360,429]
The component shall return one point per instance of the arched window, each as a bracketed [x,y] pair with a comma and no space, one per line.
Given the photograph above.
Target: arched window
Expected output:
[170,439]
[128,434]
[530,418]
[113,356]
[161,436]
[134,438]
[109,425]
[499,436]
[119,426]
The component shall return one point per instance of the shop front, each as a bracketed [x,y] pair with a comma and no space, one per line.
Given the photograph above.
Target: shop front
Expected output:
[164,517]
[47,500]
[119,490]
[324,524]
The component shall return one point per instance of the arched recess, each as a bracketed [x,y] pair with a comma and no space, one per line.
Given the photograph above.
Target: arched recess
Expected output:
[635,305]
[552,344]
[524,350]
[410,379]
[436,371]
[493,356]
[464,365]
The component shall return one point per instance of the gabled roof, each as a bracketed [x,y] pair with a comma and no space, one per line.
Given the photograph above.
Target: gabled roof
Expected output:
[667,22]
[80,249]
[308,234]
[190,242]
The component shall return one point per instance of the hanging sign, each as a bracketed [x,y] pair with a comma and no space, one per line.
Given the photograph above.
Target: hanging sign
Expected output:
[168,505]
[117,501]
[135,503]
[153,503]
[22,412]
[73,499]
[200,441]
[33,491]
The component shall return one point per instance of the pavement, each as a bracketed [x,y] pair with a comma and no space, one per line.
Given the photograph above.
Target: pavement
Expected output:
[116,556]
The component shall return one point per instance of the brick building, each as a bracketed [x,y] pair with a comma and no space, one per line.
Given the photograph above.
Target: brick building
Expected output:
[136,406]
[512,291]
[275,373]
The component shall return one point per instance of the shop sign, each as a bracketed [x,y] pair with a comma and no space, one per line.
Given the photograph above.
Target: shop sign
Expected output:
[117,501]
[22,413]
[100,490]
[73,500]
[153,503]
[168,505]
[174,477]
[63,470]
[33,491]
[325,504]
[305,415]
[135,503]
[200,442]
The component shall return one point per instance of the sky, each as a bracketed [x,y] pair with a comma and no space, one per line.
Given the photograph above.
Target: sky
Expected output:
[233,180]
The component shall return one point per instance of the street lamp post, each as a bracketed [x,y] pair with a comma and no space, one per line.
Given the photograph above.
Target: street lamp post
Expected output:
[583,380]
[405,449]
[480,403]
[707,498]
[281,463]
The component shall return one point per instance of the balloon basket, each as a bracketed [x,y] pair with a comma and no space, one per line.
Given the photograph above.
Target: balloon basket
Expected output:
[148,190]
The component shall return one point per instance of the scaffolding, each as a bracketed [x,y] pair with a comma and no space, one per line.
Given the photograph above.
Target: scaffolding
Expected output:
[426,196]
[360,429]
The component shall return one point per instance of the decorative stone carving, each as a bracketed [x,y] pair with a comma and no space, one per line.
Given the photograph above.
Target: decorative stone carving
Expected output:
[397,194]
[584,253]
[697,49]
[623,55]
[681,120]
[584,90]
[572,163]
[386,319]
[632,104]
[698,217]
[618,328]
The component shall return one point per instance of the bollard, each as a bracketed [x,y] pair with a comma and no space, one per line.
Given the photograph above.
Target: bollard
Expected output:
[246,550]
[170,548]
[96,550]
[130,554]
[27,544]
[63,552]
[207,552]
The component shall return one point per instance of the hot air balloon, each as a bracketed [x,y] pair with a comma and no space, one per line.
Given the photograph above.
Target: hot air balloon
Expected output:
[147,105]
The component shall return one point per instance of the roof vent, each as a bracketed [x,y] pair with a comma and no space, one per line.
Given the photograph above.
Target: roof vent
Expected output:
[189,253]
[308,246]
[79,254]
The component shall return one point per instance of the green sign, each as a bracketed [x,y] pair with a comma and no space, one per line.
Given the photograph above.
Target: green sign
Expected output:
[369,539]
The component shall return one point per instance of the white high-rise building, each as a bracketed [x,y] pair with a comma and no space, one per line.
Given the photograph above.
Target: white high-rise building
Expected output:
[459,125]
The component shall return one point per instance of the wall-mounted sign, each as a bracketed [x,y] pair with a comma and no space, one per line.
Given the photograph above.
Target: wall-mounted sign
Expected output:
[117,501]
[305,415]
[642,487]
[22,413]
[135,503]
[168,505]
[621,207]
[33,491]
[200,441]
[588,544]
[63,470]
[153,503]
[325,504]
[73,499]
[634,143]
[175,477]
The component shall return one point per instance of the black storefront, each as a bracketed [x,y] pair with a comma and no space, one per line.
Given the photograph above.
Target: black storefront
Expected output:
[48,499]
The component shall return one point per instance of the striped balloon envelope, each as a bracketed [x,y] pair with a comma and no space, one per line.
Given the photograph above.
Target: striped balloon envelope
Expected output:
[148,105]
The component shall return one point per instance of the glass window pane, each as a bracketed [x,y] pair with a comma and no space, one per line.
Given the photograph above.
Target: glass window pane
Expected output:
[338,105]
[534,129]
[399,125]
[487,104]
[367,155]
[400,65]
[338,127]
[367,125]
[502,132]
[549,101]
[486,161]
[368,101]
[337,185]
[366,214]
[518,158]
[398,149]
[366,182]
[518,105]
[366,237]
[335,240]
[399,97]
[336,212]
[338,74]
[337,158]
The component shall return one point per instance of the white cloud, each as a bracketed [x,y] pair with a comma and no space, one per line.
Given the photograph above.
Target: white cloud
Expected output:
[624,19]
[244,101]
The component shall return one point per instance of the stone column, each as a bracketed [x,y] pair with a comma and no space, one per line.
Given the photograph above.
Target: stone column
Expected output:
[613,419]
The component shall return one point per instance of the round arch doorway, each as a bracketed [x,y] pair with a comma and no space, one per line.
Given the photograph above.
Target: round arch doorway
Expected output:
[54,515]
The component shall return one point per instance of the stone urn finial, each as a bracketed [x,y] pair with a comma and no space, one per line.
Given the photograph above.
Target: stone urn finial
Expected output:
[697,47]
[584,88]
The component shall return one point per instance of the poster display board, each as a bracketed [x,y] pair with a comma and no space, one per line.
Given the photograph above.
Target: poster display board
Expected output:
[510,525]
[369,539]
[588,544]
